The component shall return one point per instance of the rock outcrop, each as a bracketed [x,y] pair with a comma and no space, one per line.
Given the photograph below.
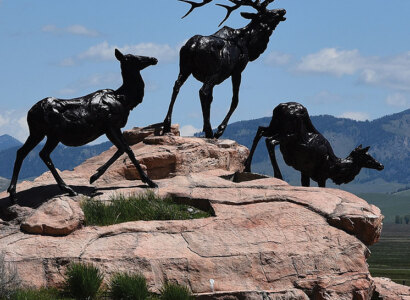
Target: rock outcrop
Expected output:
[59,216]
[266,238]
[386,289]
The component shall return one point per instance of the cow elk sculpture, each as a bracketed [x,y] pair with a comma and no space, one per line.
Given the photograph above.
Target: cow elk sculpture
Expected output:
[212,59]
[306,150]
[78,121]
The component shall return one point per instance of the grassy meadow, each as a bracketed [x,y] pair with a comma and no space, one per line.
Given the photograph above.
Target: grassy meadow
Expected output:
[390,257]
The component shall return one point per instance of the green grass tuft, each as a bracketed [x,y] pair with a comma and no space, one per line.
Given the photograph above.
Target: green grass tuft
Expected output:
[172,291]
[128,287]
[41,294]
[145,206]
[83,281]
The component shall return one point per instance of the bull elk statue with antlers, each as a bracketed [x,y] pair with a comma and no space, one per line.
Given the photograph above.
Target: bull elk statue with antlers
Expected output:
[212,59]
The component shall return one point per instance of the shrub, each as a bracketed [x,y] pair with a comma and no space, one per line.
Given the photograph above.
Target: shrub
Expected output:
[9,280]
[83,280]
[128,287]
[171,291]
[42,294]
[144,206]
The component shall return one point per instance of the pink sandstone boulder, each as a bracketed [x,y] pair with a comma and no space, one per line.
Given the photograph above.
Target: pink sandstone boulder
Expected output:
[386,289]
[59,216]
[138,134]
[266,238]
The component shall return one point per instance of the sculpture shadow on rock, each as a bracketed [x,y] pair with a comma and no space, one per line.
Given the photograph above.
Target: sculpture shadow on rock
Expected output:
[78,121]
[307,150]
[213,59]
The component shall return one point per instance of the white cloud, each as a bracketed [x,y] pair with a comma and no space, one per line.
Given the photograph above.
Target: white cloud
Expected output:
[14,123]
[105,51]
[189,130]
[4,120]
[392,72]
[398,99]
[278,58]
[73,29]
[331,61]
[357,116]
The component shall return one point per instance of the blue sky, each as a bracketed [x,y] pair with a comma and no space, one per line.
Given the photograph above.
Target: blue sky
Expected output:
[344,58]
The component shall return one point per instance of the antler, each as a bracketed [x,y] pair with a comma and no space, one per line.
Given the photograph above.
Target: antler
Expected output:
[238,3]
[194,5]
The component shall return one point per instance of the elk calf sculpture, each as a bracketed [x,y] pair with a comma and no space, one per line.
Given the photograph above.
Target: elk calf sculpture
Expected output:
[306,150]
[78,121]
[212,59]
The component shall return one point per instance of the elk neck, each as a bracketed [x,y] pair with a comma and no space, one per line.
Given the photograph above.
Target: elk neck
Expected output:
[256,38]
[344,170]
[132,89]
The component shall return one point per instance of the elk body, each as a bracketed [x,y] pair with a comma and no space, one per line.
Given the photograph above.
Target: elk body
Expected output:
[212,59]
[78,121]
[306,150]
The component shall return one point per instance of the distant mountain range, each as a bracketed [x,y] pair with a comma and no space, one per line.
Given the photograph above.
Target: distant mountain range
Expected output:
[7,141]
[389,138]
[64,158]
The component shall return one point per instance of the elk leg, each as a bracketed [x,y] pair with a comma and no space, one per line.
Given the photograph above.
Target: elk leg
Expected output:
[182,77]
[29,145]
[116,137]
[271,144]
[50,145]
[236,82]
[101,170]
[256,140]
[205,94]
[305,179]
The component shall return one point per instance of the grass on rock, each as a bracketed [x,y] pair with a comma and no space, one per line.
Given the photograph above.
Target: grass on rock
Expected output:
[125,286]
[83,281]
[41,294]
[146,206]
[171,291]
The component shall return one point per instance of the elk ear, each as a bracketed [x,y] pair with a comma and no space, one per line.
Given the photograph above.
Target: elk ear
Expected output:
[247,15]
[119,55]
[359,147]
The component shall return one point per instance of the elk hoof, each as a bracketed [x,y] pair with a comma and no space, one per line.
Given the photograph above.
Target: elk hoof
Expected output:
[209,135]
[166,129]
[150,183]
[13,198]
[72,193]
[68,190]
[153,185]
[220,131]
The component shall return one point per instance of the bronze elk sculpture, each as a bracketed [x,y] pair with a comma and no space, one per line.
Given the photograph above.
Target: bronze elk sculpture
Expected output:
[306,150]
[78,121]
[212,59]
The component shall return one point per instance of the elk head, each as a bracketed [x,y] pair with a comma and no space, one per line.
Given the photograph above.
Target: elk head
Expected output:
[364,159]
[131,63]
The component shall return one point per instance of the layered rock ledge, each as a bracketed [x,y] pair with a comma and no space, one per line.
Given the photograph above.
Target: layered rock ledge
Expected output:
[267,238]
